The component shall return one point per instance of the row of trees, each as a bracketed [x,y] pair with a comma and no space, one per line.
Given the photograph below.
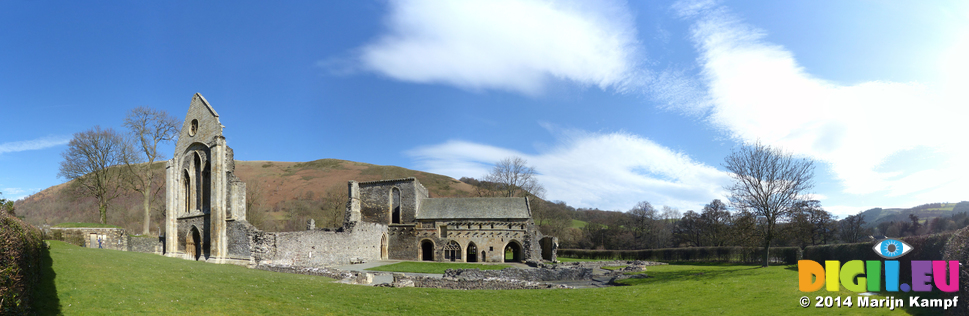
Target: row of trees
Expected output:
[769,191]
[103,163]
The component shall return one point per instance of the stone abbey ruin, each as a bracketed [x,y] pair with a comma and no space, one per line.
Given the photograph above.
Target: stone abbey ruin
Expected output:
[205,216]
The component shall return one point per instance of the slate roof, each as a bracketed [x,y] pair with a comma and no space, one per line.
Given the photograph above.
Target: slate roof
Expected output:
[474,208]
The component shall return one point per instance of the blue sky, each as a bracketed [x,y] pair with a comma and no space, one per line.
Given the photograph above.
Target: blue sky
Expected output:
[611,102]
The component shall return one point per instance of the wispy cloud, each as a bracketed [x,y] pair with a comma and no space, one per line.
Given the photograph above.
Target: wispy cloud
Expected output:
[756,90]
[605,170]
[34,144]
[514,45]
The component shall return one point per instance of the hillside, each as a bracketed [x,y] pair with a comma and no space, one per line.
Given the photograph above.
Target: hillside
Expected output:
[925,212]
[281,195]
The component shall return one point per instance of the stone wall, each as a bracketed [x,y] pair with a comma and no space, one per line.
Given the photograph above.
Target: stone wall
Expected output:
[598,264]
[540,274]
[375,201]
[148,244]
[237,237]
[111,238]
[318,248]
[401,280]
[403,242]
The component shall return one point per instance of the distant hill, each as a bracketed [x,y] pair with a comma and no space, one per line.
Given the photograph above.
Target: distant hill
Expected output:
[282,194]
[925,212]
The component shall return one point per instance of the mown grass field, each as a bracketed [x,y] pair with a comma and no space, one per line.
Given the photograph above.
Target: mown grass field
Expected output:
[106,282]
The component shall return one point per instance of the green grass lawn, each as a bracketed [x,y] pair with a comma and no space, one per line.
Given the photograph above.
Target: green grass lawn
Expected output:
[435,267]
[106,282]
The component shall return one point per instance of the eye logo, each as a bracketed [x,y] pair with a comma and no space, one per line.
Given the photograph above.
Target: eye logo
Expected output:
[891,248]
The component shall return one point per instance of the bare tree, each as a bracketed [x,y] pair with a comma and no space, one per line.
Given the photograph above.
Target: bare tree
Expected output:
[513,177]
[643,216]
[851,229]
[689,229]
[93,159]
[148,127]
[715,220]
[768,181]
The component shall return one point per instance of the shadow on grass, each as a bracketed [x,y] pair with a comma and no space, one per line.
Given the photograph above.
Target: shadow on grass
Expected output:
[45,301]
[692,274]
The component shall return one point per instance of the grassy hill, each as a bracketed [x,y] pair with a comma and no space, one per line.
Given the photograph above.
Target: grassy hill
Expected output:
[282,195]
[925,212]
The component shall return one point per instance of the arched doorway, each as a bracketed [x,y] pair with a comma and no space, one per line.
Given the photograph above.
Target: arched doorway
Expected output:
[383,247]
[452,251]
[472,252]
[193,243]
[484,258]
[427,250]
[513,252]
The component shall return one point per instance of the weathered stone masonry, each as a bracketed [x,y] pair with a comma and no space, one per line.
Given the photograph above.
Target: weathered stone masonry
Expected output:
[448,229]
[395,219]
[206,218]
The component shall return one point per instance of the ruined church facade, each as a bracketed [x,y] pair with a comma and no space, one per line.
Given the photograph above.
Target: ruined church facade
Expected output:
[205,216]
[204,201]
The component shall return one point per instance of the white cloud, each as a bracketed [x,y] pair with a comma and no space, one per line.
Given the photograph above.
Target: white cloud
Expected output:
[34,144]
[515,45]
[608,171]
[756,90]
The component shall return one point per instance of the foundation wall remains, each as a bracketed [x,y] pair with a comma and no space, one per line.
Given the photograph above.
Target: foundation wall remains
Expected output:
[541,274]
[401,280]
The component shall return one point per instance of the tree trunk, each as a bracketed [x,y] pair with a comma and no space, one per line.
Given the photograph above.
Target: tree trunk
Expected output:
[103,212]
[767,250]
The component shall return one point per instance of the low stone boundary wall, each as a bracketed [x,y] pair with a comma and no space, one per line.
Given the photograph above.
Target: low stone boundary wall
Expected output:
[599,264]
[539,274]
[324,272]
[401,280]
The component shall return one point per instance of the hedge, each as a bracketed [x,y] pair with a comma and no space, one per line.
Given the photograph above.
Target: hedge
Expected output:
[21,250]
[749,255]
[925,247]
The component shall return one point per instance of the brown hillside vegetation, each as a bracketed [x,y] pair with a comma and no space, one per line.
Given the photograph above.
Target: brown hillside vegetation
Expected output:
[281,195]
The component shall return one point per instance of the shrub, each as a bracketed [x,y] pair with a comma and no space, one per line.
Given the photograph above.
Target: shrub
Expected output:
[925,247]
[21,247]
[747,255]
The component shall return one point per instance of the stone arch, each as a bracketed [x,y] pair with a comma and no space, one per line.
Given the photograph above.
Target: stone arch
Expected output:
[383,247]
[472,252]
[427,250]
[513,249]
[395,205]
[193,243]
[452,251]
